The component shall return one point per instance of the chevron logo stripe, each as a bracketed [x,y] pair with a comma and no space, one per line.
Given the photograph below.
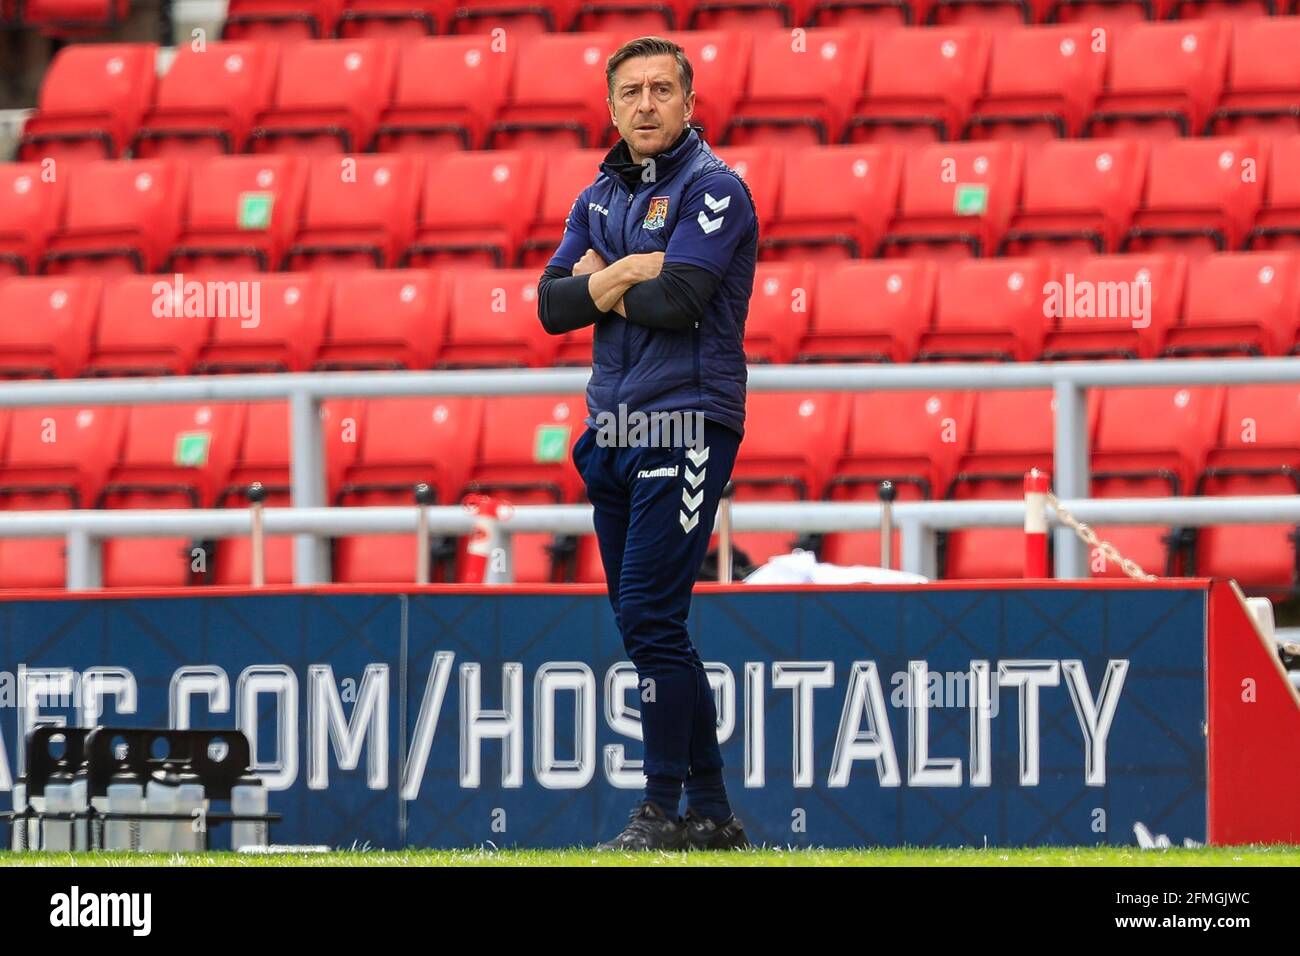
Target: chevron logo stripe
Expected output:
[693,478]
[698,457]
[688,525]
[716,205]
[692,503]
[707,224]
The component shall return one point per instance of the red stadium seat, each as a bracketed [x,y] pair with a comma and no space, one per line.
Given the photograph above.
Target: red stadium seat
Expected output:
[747,14]
[280,19]
[1238,11]
[1257,453]
[120,217]
[494,321]
[32,198]
[800,90]
[1151,442]
[868,13]
[911,439]
[401,442]
[870,311]
[1165,78]
[720,59]
[385,319]
[1079,196]
[477,206]
[51,321]
[575,348]
[405,20]
[173,456]
[74,19]
[836,202]
[921,85]
[1042,83]
[990,309]
[514,17]
[1263,91]
[1010,433]
[207,100]
[631,17]
[791,442]
[1200,196]
[91,100]
[143,328]
[327,98]
[54,458]
[526,457]
[447,91]
[558,96]
[995,15]
[1240,303]
[1112,17]
[278,328]
[956,199]
[263,457]
[360,211]
[1104,312]
[1278,224]
[778,311]
[760,168]
[567,173]
[242,212]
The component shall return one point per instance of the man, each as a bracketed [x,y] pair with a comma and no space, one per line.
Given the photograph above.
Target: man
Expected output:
[658,254]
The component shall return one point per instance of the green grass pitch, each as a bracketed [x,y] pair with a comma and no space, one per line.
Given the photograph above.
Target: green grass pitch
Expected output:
[1057,857]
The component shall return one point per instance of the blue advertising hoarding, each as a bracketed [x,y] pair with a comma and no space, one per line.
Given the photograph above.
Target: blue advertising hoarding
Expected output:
[936,715]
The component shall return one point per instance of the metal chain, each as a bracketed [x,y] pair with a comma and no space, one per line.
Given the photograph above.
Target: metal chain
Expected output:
[1108,550]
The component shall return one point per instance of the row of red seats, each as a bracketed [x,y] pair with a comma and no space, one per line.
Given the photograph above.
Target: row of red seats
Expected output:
[832,446]
[1151,80]
[298,19]
[1014,309]
[72,19]
[69,326]
[952,200]
[1026,309]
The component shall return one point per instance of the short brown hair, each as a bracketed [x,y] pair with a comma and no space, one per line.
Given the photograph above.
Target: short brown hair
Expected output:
[650,46]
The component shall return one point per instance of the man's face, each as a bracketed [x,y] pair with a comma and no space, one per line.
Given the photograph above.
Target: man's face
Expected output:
[648,105]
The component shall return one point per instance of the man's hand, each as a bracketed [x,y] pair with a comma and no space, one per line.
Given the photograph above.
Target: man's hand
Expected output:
[608,284]
[589,263]
[644,267]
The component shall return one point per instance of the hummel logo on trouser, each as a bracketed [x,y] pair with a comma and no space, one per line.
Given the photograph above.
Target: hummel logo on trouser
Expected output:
[653,534]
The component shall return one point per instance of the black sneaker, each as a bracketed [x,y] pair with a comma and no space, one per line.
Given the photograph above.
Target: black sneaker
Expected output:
[648,828]
[705,834]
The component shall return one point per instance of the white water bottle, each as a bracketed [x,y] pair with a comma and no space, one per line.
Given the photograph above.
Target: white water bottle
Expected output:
[125,795]
[21,831]
[78,793]
[56,835]
[190,800]
[160,796]
[248,796]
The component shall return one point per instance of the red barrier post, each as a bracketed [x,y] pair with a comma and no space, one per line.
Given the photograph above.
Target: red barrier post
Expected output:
[1037,484]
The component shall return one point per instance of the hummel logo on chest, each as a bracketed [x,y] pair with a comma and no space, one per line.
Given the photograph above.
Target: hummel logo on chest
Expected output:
[665,472]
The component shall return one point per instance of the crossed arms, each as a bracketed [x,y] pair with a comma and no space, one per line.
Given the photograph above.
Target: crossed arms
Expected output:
[640,288]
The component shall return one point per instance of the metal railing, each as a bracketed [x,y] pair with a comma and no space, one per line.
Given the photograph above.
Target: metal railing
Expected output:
[311,522]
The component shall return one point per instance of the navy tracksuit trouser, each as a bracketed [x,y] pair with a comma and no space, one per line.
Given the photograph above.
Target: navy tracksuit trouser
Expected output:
[654,510]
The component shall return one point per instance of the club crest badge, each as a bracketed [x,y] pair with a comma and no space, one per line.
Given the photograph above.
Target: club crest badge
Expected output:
[657,215]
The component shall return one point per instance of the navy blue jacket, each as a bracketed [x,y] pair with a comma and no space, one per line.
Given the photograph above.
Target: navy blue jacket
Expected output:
[695,209]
